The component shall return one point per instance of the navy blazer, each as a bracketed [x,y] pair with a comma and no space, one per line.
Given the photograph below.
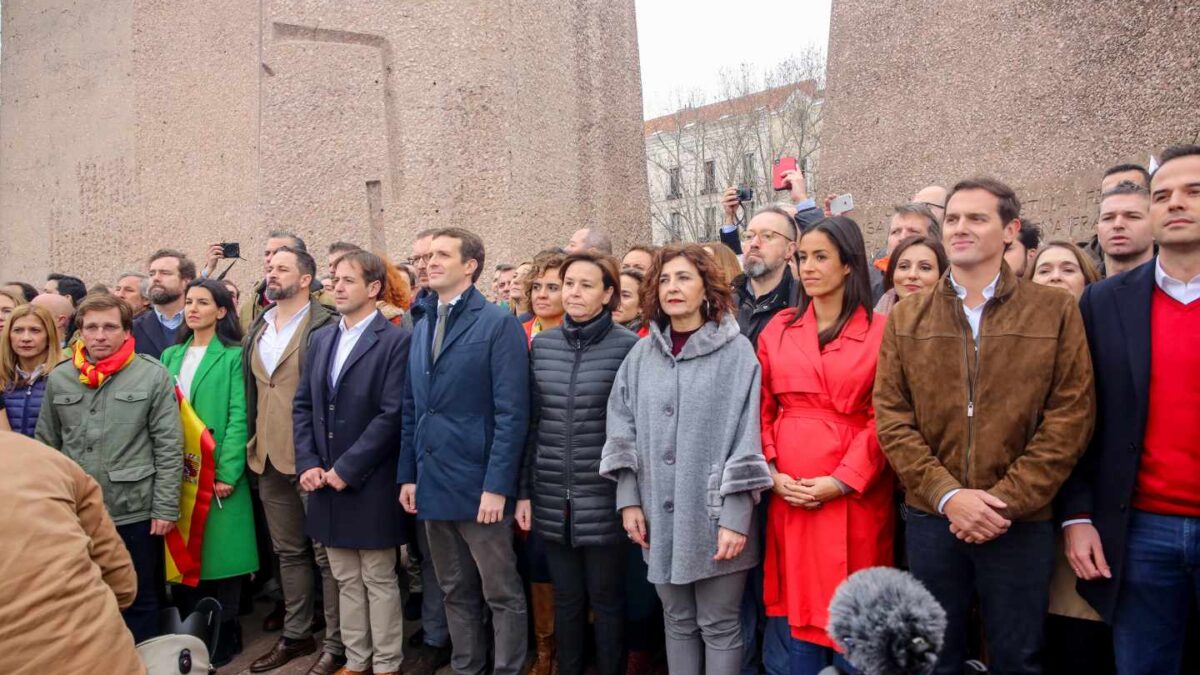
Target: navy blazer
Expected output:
[354,428]
[465,417]
[148,337]
[1116,315]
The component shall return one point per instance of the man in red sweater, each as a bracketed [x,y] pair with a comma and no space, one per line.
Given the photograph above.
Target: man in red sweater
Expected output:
[1131,510]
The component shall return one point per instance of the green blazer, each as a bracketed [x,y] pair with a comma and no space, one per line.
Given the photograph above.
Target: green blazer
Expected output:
[218,397]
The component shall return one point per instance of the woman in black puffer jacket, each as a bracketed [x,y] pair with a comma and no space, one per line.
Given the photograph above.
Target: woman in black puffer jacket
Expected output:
[573,507]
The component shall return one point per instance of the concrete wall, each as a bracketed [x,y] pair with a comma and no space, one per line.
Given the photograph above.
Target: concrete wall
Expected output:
[128,125]
[1043,95]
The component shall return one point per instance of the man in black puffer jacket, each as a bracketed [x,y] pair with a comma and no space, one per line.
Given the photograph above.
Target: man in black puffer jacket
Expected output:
[573,507]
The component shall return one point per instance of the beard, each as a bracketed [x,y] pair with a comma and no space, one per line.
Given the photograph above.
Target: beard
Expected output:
[756,268]
[282,293]
[162,296]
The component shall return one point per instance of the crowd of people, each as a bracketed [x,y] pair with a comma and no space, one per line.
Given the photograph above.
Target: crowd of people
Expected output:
[714,436]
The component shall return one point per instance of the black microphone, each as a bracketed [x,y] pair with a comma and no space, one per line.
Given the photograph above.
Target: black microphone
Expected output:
[888,623]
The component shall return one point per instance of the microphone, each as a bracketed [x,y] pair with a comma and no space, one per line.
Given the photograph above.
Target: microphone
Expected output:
[888,623]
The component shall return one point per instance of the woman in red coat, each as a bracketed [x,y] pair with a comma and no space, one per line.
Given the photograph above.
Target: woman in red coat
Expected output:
[833,512]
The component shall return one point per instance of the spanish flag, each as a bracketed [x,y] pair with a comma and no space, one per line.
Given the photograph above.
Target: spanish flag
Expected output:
[185,542]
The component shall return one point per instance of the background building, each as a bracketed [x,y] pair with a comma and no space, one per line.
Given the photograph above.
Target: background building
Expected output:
[693,154]
[1042,95]
[126,126]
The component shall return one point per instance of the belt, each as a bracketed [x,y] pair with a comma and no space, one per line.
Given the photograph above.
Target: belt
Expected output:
[858,419]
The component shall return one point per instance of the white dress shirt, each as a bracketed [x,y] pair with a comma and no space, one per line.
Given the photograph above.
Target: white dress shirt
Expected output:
[1186,292]
[347,338]
[273,343]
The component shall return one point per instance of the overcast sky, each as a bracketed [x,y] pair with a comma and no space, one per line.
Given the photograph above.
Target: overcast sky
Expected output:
[684,44]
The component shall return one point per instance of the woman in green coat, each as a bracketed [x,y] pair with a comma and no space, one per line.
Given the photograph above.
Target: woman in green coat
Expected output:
[207,364]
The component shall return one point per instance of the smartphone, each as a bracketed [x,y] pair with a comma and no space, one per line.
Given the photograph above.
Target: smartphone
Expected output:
[782,166]
[231,250]
[841,204]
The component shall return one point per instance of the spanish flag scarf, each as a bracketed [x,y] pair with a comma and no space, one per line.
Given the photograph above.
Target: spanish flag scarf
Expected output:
[94,374]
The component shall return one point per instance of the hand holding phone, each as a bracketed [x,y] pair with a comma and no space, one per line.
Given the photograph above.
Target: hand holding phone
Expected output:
[841,204]
[782,166]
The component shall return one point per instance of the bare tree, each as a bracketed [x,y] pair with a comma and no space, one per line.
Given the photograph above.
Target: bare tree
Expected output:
[695,152]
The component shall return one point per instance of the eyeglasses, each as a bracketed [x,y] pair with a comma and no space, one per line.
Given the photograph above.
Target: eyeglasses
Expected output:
[418,259]
[932,205]
[765,236]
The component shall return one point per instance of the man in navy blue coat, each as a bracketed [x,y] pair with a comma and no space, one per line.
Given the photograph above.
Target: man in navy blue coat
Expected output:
[1131,509]
[348,414]
[466,413]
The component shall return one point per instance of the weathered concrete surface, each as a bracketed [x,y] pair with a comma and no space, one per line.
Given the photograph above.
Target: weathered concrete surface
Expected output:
[128,125]
[1043,95]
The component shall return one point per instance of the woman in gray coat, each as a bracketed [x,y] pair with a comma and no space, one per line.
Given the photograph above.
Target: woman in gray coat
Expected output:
[683,447]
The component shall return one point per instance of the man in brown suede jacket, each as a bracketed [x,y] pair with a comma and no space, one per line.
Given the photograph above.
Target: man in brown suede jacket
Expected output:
[984,401]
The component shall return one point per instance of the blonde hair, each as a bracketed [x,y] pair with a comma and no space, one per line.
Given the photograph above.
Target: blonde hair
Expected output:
[8,358]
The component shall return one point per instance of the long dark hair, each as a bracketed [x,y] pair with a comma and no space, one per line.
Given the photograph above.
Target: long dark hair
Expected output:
[851,250]
[939,253]
[229,331]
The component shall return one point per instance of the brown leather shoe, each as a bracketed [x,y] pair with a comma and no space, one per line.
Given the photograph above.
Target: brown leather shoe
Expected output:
[328,664]
[346,671]
[281,654]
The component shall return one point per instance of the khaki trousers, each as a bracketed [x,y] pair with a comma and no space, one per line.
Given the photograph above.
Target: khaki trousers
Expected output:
[372,617]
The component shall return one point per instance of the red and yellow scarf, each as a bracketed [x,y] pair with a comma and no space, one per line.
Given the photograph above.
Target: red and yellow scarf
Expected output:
[94,374]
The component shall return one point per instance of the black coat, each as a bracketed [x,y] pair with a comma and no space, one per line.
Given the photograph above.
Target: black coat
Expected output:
[753,314]
[148,335]
[572,370]
[1116,315]
[354,428]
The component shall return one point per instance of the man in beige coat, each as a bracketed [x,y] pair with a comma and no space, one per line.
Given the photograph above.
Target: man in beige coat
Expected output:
[65,575]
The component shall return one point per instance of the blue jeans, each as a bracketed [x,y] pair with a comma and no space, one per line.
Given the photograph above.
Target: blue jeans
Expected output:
[1160,583]
[807,658]
[1011,575]
[142,616]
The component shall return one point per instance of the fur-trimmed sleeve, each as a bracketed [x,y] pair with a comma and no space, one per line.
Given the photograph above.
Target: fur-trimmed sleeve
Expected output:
[746,469]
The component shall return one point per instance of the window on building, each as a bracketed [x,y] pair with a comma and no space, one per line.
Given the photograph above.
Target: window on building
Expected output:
[676,222]
[710,176]
[675,180]
[710,217]
[748,173]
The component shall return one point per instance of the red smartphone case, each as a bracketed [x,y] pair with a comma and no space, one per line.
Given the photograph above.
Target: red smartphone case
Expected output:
[782,165]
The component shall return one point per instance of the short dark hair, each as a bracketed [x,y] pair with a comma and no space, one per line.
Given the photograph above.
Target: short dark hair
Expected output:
[470,246]
[187,268]
[343,247]
[610,273]
[505,267]
[1125,187]
[922,210]
[27,290]
[1122,168]
[932,243]
[1009,207]
[69,286]
[304,260]
[102,302]
[427,232]
[1030,235]
[1175,152]
[644,248]
[372,266]
[297,242]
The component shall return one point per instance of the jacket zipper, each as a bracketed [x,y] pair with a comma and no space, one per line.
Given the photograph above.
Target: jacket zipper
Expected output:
[571,418]
[972,381]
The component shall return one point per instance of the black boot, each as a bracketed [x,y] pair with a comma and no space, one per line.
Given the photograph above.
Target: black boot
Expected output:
[229,644]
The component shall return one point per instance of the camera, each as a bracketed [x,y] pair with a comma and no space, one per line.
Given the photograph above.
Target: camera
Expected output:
[231,250]
[745,193]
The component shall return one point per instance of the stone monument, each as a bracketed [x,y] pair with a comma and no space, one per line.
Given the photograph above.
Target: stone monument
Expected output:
[127,125]
[1042,95]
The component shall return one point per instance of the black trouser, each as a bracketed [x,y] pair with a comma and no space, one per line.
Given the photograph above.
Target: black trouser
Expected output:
[228,592]
[144,549]
[1011,575]
[580,574]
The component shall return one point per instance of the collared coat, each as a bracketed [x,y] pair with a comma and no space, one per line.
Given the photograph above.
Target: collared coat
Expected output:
[465,416]
[353,427]
[64,572]
[686,428]
[148,336]
[218,396]
[817,420]
[126,434]
[1116,316]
